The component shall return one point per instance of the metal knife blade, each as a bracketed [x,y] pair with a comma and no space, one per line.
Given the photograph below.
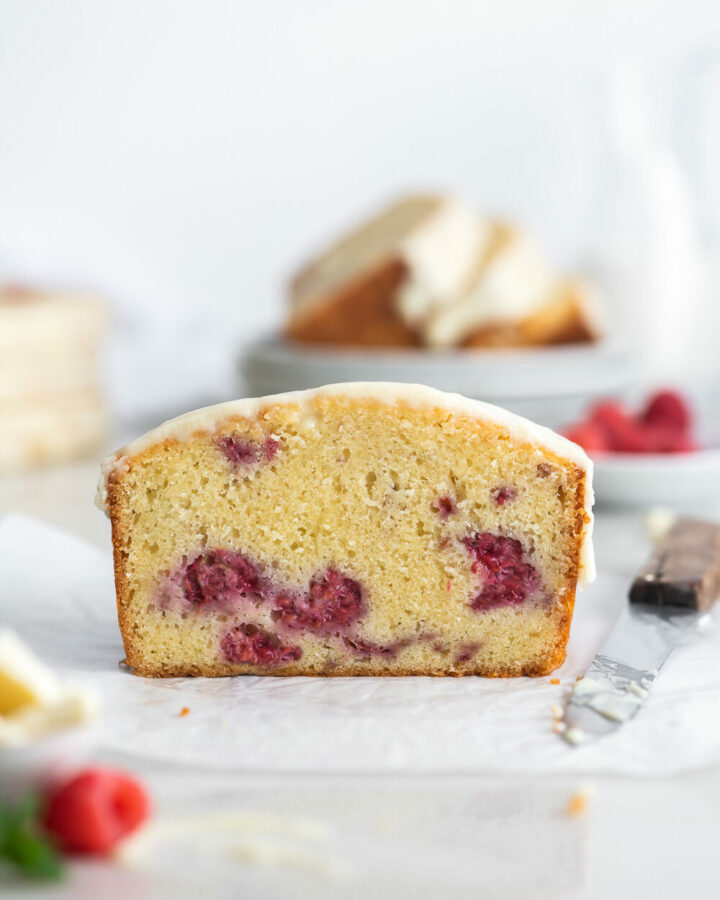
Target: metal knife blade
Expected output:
[620,677]
[669,597]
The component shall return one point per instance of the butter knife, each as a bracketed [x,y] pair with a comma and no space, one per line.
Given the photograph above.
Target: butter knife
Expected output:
[668,601]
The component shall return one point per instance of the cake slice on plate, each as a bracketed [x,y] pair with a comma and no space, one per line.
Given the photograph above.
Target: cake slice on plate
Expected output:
[356,529]
[376,285]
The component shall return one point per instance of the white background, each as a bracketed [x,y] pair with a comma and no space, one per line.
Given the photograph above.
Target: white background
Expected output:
[182,157]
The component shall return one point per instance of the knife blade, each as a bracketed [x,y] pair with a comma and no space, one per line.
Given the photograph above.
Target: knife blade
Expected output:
[669,599]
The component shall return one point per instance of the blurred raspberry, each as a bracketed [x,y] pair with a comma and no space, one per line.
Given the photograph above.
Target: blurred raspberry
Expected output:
[95,810]
[589,436]
[669,410]
[622,431]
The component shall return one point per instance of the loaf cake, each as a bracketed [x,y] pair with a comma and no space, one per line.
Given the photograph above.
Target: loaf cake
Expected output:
[355,529]
[52,407]
[378,284]
[428,272]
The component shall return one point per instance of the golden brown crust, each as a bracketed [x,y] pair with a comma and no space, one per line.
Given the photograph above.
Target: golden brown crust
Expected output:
[120,539]
[219,671]
[361,313]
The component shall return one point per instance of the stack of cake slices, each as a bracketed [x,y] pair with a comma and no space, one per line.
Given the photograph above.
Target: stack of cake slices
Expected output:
[51,403]
[428,272]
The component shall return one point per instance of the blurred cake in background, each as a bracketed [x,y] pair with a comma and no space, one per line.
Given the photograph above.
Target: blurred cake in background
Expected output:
[51,403]
[429,272]
[375,286]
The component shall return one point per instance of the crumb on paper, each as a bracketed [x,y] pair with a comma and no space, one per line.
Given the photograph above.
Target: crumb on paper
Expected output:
[556,711]
[554,681]
[281,854]
[579,802]
[576,736]
[658,521]
[705,623]
[185,711]
[579,678]
[558,726]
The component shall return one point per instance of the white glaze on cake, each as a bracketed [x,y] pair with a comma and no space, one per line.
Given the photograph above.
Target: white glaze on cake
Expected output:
[515,283]
[441,258]
[210,418]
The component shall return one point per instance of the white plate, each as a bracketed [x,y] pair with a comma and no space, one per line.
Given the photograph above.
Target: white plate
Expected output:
[552,385]
[640,479]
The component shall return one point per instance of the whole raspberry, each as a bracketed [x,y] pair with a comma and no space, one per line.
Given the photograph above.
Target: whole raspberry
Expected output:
[95,810]
[669,410]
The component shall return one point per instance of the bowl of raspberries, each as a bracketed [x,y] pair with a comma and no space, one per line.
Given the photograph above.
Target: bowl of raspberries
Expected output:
[648,454]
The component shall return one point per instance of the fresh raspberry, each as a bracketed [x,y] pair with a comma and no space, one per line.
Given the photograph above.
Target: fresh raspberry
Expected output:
[504,495]
[508,579]
[669,410]
[622,432]
[445,507]
[662,439]
[255,646]
[331,602]
[589,436]
[95,810]
[220,578]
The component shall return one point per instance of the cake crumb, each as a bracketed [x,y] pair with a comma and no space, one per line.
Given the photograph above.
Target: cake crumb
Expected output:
[579,802]
[558,726]
[556,711]
[658,521]
[554,681]
[579,678]
[576,736]
[185,711]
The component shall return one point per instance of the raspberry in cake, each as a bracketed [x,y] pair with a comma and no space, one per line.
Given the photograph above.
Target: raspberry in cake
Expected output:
[357,529]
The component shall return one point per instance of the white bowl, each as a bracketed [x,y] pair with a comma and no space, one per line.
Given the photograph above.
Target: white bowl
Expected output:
[645,479]
[551,385]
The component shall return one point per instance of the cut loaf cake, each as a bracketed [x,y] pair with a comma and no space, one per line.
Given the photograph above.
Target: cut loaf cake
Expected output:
[355,529]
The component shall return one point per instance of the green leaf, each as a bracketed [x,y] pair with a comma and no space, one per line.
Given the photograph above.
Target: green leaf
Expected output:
[24,845]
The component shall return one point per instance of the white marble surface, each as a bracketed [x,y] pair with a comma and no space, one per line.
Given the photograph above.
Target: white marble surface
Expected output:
[395,836]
